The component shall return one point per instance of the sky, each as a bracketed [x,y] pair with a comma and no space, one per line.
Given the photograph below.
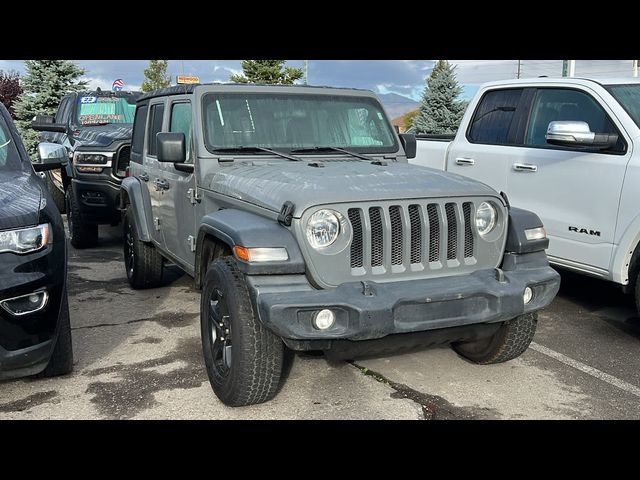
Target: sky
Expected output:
[404,77]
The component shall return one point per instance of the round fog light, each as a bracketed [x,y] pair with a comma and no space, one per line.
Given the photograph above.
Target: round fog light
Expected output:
[527,295]
[324,319]
[34,298]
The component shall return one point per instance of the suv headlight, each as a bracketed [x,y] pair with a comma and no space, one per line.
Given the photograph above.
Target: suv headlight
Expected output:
[25,240]
[486,216]
[323,228]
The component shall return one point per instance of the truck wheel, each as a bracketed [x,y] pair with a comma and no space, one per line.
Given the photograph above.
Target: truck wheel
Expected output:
[243,359]
[81,235]
[57,194]
[142,260]
[509,342]
[61,361]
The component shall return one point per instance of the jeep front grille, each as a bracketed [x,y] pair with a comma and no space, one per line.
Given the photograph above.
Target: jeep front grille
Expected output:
[443,225]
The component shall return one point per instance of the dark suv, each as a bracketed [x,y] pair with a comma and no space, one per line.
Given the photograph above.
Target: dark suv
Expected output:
[35,336]
[95,128]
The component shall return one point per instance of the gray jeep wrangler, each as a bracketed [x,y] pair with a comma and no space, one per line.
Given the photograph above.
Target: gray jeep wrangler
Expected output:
[297,214]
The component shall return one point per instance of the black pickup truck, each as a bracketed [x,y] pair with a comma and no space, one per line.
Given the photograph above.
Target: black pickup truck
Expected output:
[95,127]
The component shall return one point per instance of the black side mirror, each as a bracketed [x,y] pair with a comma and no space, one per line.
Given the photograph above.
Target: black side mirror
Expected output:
[171,147]
[46,123]
[409,144]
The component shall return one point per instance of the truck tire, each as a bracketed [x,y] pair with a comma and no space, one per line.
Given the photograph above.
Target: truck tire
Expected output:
[243,359]
[81,235]
[637,292]
[509,342]
[57,194]
[143,262]
[61,361]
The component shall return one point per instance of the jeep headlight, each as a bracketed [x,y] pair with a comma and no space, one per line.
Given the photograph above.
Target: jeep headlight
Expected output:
[486,216]
[323,228]
[24,240]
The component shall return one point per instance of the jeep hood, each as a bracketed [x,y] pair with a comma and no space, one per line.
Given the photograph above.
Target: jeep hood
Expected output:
[20,195]
[270,184]
[102,135]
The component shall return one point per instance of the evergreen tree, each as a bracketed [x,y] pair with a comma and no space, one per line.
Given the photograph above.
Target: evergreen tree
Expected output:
[155,76]
[440,110]
[44,85]
[267,71]
[10,89]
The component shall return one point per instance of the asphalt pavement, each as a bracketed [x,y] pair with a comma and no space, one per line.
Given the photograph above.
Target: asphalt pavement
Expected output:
[138,355]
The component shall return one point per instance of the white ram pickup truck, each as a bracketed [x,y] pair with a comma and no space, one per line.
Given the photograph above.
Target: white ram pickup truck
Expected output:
[567,149]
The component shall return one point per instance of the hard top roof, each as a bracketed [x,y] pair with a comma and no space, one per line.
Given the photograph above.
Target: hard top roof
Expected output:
[190,88]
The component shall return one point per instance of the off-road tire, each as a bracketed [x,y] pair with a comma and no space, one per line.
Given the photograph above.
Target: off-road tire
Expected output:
[81,235]
[61,361]
[257,354]
[57,194]
[510,341]
[145,267]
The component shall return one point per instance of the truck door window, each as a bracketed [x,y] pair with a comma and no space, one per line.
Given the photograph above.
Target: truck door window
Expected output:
[137,140]
[157,112]
[493,119]
[556,104]
[62,115]
[181,122]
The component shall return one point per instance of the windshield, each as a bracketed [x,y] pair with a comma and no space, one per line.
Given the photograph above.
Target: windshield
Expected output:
[629,97]
[99,110]
[290,122]
[9,159]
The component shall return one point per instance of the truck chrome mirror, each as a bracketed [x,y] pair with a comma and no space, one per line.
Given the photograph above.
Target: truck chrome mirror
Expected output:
[50,156]
[578,134]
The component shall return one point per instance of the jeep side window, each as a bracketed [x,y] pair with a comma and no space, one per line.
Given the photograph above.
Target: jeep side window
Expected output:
[157,112]
[137,141]
[492,122]
[181,122]
[556,104]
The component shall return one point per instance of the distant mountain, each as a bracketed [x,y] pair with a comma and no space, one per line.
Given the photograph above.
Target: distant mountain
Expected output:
[397,105]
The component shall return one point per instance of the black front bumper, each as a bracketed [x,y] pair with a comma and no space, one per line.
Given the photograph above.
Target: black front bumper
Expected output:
[369,310]
[26,342]
[98,200]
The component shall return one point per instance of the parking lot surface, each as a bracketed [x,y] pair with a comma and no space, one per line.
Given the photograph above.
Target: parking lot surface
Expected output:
[138,355]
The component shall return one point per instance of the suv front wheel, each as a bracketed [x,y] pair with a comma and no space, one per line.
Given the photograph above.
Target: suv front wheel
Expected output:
[243,359]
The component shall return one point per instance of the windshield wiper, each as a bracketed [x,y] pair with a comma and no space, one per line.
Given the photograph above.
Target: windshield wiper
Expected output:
[332,149]
[241,148]
[96,124]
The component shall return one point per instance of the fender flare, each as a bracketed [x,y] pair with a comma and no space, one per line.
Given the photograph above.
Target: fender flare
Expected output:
[236,227]
[131,190]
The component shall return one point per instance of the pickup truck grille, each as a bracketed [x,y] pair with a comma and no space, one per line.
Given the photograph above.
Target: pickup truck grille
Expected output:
[413,222]
[121,161]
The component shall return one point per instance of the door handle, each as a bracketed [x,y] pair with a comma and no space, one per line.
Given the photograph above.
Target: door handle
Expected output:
[525,167]
[144,176]
[161,184]
[465,161]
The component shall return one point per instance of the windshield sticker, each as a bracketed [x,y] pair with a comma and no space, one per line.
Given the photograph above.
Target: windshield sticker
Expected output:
[88,99]
[380,115]
[101,118]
